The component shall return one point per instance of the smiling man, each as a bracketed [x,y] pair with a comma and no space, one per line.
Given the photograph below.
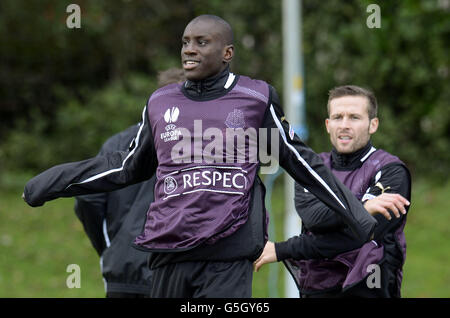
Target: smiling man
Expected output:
[204,238]
[207,47]
[324,260]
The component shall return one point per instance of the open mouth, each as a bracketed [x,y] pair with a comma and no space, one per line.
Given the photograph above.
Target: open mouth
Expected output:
[190,64]
[345,138]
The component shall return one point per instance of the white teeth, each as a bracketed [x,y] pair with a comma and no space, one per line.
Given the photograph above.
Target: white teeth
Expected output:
[345,138]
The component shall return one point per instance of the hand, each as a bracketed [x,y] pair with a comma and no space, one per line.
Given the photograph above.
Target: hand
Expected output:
[267,256]
[387,201]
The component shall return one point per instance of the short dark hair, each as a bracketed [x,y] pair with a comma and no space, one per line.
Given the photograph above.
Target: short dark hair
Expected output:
[353,90]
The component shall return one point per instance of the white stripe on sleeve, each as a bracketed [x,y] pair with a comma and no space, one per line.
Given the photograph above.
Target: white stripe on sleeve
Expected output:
[100,175]
[105,234]
[299,157]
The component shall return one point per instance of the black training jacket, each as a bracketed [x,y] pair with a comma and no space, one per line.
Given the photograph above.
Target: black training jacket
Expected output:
[113,220]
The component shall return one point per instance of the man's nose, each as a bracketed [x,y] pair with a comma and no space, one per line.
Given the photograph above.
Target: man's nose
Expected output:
[345,122]
[189,49]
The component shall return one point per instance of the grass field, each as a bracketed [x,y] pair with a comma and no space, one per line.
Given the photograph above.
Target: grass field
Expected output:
[37,245]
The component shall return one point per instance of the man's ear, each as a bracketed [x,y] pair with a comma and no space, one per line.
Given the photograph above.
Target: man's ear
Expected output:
[228,53]
[373,126]
[326,125]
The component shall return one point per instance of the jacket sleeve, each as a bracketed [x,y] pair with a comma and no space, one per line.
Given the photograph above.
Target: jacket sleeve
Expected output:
[316,216]
[393,178]
[317,246]
[100,174]
[307,169]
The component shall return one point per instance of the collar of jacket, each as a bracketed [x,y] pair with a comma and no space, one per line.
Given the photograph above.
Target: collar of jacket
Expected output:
[351,161]
[209,87]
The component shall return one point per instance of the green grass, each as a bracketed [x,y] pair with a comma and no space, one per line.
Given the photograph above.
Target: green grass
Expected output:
[427,270]
[37,245]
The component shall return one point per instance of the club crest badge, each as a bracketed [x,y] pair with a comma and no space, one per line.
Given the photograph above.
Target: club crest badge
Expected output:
[235,119]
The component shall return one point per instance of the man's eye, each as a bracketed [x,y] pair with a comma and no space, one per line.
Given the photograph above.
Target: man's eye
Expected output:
[201,42]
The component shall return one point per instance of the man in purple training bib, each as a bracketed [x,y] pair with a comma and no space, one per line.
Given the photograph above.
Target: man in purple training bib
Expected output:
[207,223]
[325,260]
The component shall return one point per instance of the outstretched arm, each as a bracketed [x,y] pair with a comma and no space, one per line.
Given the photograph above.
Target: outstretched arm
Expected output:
[393,178]
[319,218]
[306,246]
[306,167]
[100,174]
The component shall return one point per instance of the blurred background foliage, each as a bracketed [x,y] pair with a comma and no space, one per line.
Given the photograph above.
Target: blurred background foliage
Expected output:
[63,92]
